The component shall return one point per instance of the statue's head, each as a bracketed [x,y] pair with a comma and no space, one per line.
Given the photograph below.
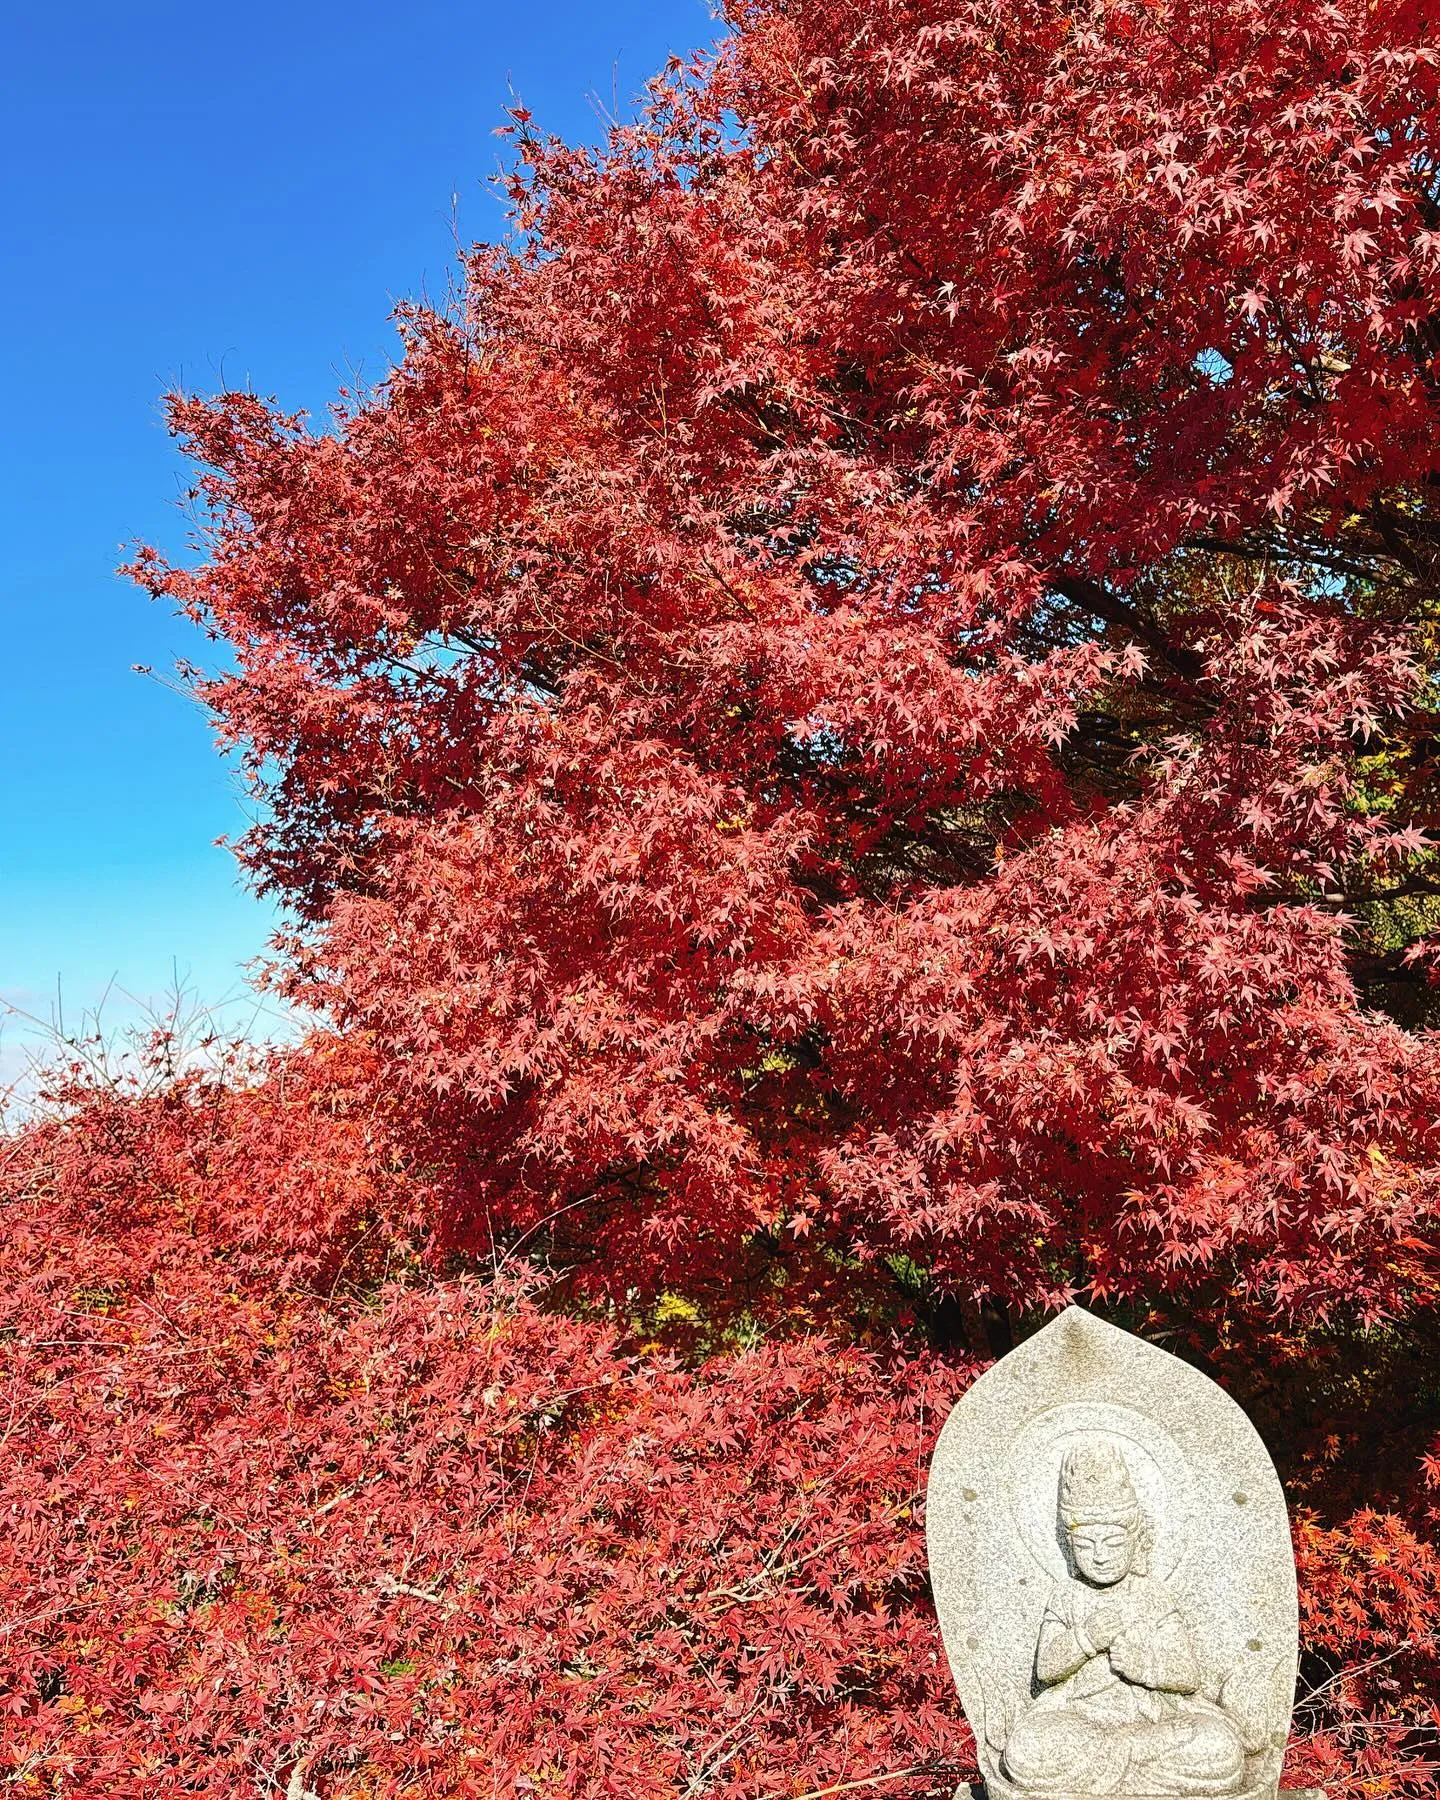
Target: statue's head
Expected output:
[1105,1533]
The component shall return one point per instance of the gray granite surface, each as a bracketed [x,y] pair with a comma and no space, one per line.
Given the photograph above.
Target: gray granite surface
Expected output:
[1112,1567]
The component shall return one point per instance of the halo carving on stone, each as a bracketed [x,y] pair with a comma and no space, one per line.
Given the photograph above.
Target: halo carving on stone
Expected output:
[1163,1481]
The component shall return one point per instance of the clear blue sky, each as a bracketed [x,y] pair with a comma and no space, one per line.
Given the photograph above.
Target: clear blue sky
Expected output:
[205,196]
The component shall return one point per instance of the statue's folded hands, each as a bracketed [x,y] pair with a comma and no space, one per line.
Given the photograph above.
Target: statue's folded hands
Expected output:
[1107,1620]
[1131,1658]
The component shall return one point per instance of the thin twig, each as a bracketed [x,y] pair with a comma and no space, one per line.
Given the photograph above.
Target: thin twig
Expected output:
[1364,1668]
[389,1585]
[845,1787]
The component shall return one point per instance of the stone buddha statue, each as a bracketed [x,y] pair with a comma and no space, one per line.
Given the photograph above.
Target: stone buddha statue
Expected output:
[1113,1574]
[1115,1705]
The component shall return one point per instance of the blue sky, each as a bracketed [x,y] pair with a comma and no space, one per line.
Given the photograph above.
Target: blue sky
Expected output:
[205,196]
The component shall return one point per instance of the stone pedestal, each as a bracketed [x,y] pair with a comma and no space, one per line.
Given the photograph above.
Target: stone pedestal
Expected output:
[976,1790]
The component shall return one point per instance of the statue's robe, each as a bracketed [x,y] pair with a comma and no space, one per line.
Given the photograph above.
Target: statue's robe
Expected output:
[1128,1719]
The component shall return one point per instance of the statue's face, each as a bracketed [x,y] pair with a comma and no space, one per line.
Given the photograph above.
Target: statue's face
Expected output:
[1101,1553]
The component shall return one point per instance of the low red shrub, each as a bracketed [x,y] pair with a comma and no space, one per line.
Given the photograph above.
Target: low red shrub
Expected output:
[418,1535]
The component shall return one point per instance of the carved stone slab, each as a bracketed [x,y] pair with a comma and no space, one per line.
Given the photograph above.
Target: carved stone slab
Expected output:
[1112,1566]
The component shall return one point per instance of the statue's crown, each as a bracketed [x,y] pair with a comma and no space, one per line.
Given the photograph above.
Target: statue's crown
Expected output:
[1095,1487]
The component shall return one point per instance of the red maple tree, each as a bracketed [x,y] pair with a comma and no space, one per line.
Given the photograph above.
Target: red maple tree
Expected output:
[851,738]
